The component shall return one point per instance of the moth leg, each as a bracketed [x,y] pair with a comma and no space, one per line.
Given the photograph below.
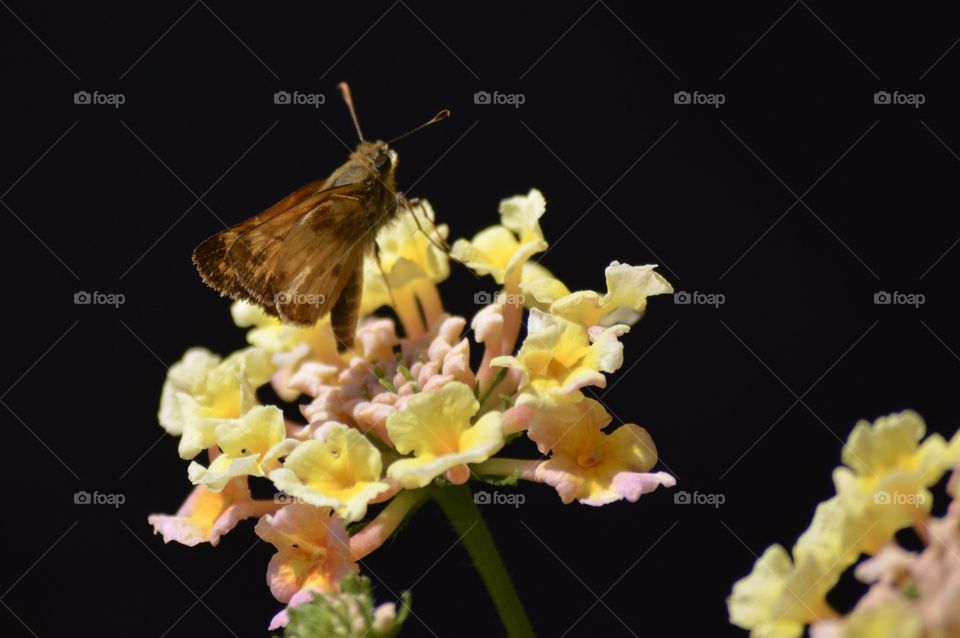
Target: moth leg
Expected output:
[409,204]
[376,255]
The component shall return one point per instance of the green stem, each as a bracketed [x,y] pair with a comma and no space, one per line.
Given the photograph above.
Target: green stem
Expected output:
[456,501]
[501,373]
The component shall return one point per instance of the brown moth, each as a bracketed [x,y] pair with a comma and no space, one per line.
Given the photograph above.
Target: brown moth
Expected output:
[303,257]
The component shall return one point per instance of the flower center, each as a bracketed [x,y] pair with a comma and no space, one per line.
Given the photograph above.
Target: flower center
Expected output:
[590,458]
[557,369]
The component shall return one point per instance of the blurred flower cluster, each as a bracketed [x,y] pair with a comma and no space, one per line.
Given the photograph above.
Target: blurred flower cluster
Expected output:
[882,487]
[409,406]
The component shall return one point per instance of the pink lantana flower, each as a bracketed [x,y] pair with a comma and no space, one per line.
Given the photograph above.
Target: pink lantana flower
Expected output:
[206,516]
[313,551]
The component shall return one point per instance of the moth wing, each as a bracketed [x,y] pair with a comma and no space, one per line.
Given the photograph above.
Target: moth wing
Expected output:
[298,275]
[210,257]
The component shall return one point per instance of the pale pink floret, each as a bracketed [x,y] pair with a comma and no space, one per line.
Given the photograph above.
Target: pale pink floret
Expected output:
[487,328]
[488,324]
[517,419]
[287,364]
[458,474]
[372,415]
[567,478]
[355,394]
[206,516]
[456,363]
[633,485]
[311,377]
[313,551]
[282,618]
[376,339]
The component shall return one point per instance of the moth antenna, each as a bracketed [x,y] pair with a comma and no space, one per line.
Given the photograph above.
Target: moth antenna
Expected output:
[442,115]
[345,90]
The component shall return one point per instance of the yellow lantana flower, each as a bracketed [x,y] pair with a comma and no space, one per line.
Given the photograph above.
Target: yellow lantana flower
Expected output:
[597,468]
[274,336]
[780,597]
[203,391]
[435,427]
[624,302]
[833,537]
[410,265]
[406,254]
[289,345]
[249,446]
[502,250]
[561,356]
[552,421]
[342,472]
[540,287]
[887,471]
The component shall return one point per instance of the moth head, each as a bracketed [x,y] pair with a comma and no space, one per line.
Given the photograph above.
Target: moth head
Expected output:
[379,156]
[385,161]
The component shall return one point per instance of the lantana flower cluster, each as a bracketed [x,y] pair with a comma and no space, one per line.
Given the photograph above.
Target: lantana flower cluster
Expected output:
[405,408]
[882,487]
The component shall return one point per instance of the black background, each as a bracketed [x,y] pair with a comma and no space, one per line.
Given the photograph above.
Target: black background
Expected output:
[749,400]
